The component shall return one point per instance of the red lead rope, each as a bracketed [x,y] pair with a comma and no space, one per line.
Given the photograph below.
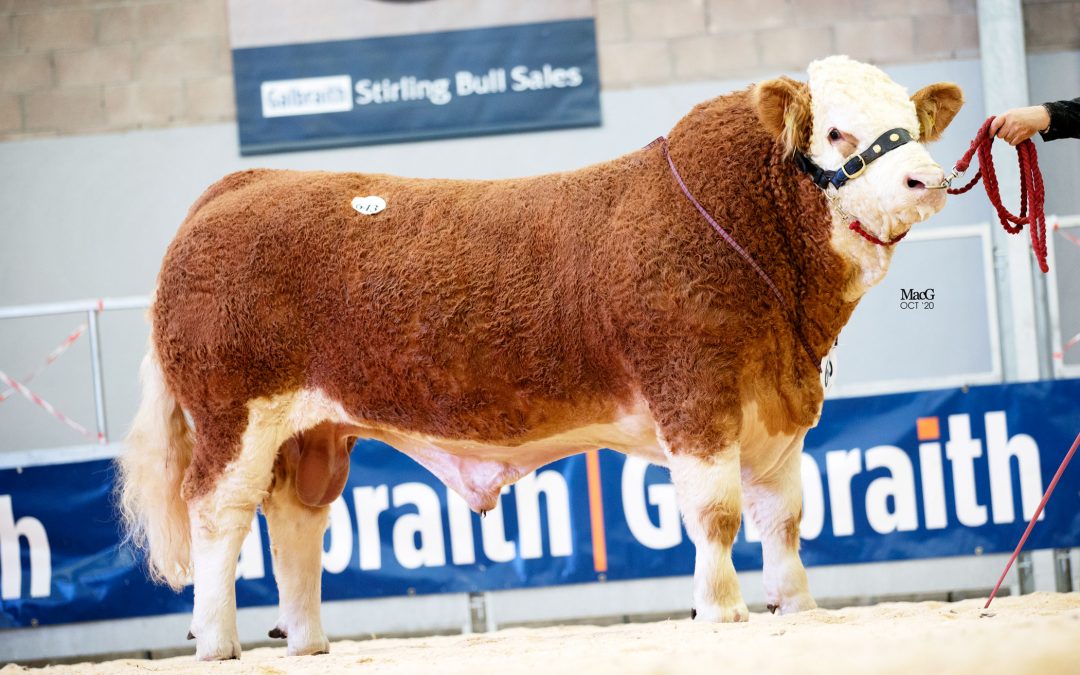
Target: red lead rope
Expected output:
[1031,186]
[1034,517]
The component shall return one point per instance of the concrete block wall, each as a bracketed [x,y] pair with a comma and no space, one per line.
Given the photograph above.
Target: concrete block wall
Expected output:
[80,66]
[1051,25]
[87,66]
[657,41]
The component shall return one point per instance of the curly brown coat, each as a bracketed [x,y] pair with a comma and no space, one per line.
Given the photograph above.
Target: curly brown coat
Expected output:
[506,311]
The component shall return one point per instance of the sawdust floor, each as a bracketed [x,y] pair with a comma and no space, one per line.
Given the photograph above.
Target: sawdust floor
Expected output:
[1038,633]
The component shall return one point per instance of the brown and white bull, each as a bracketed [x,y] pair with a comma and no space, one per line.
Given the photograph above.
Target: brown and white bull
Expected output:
[485,328]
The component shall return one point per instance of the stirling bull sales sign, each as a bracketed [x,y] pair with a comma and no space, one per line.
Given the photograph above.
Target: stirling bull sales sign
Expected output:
[327,73]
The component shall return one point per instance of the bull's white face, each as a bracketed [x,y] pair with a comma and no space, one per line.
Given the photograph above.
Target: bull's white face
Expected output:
[853,104]
[840,112]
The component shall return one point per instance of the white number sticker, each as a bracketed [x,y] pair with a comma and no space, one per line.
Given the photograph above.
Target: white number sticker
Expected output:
[369,206]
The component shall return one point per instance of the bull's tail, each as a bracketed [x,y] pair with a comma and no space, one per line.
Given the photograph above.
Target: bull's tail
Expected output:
[151,471]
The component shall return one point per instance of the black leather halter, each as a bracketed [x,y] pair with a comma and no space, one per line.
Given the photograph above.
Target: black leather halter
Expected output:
[854,165]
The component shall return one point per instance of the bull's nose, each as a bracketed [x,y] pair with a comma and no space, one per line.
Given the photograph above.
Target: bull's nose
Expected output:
[919,180]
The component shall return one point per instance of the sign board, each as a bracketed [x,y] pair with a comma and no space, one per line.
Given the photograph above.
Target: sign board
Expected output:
[897,477]
[327,73]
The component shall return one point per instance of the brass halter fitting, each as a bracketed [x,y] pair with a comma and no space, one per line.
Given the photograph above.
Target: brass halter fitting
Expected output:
[947,182]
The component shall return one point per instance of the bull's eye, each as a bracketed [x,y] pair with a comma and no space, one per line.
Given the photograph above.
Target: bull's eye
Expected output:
[842,142]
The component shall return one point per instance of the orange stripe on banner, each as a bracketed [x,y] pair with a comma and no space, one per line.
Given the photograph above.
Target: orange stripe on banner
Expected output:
[596,510]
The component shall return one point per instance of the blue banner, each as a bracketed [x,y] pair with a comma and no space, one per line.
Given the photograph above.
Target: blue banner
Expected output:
[904,476]
[409,87]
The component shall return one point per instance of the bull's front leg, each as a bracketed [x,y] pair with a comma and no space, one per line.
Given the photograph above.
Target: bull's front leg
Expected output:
[708,489]
[774,503]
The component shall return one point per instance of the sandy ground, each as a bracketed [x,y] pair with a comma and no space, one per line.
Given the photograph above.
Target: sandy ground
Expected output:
[1037,633]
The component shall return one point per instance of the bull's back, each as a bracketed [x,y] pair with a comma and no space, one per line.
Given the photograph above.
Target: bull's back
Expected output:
[450,312]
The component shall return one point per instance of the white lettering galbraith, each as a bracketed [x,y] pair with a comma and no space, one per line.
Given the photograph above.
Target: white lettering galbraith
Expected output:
[306,96]
[890,503]
[422,526]
[12,531]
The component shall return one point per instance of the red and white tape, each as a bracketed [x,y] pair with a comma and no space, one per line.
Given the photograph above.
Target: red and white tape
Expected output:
[1071,237]
[1073,341]
[53,355]
[22,389]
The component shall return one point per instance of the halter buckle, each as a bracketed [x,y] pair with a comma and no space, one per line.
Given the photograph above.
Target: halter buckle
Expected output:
[857,173]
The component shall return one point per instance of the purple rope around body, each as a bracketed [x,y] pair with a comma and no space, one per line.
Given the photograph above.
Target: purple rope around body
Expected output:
[741,251]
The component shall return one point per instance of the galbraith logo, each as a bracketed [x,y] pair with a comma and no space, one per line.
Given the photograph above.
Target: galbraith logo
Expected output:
[307,96]
[912,495]
[316,95]
[932,488]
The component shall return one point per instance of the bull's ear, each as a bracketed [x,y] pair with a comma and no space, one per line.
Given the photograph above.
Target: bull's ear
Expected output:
[783,105]
[936,105]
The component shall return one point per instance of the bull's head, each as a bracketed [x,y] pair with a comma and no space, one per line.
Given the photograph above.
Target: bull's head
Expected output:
[850,108]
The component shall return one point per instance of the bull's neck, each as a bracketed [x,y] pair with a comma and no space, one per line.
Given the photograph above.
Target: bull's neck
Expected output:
[870,261]
[787,228]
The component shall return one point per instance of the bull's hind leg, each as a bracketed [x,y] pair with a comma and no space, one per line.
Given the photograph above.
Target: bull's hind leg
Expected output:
[221,517]
[708,490]
[774,502]
[296,540]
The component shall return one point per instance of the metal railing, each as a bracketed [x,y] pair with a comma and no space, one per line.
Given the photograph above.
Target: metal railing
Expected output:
[92,308]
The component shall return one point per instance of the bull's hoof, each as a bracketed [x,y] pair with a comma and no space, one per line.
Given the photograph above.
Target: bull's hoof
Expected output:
[217,648]
[733,613]
[278,633]
[222,653]
[190,636]
[736,614]
[693,613]
[789,605]
[229,656]
[313,646]
[799,603]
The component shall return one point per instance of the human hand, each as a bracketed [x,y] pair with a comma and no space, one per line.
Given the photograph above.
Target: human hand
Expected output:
[1020,124]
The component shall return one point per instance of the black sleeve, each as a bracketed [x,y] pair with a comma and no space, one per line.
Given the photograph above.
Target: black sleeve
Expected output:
[1064,120]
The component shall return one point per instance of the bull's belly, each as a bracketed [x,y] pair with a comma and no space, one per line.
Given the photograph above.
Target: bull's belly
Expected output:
[477,470]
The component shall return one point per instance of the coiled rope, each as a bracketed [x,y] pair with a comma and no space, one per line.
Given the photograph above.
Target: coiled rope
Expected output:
[1031,188]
